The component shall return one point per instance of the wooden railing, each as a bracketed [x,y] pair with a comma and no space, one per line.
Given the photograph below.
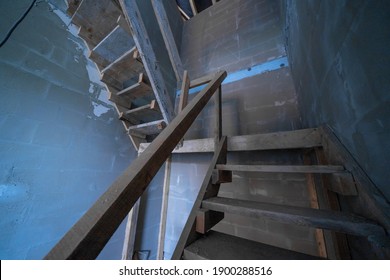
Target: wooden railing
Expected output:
[89,235]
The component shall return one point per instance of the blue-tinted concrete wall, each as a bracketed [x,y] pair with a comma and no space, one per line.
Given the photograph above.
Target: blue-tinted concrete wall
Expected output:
[340,60]
[61,144]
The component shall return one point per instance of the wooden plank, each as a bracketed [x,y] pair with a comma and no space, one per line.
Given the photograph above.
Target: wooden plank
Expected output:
[138,90]
[150,62]
[201,81]
[221,176]
[206,219]
[218,115]
[130,232]
[150,128]
[370,200]
[142,113]
[220,246]
[184,15]
[164,209]
[125,68]
[313,197]
[219,157]
[193,7]
[123,101]
[72,6]
[89,235]
[336,243]
[169,39]
[343,184]
[89,17]
[284,168]
[332,220]
[297,139]
[113,46]
[185,86]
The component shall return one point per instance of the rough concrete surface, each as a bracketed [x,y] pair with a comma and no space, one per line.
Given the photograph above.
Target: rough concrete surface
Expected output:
[60,142]
[339,56]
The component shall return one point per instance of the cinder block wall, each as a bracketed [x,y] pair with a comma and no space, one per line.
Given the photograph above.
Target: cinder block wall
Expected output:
[339,56]
[60,142]
[239,35]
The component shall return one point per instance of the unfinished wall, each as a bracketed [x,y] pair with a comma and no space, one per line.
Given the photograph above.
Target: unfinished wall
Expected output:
[242,37]
[60,142]
[339,56]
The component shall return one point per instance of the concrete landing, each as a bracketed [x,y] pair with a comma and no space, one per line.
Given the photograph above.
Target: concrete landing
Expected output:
[219,246]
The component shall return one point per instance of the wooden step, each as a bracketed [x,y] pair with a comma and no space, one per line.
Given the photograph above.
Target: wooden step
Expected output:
[220,246]
[150,128]
[284,168]
[140,89]
[122,71]
[96,19]
[113,46]
[144,113]
[296,139]
[332,220]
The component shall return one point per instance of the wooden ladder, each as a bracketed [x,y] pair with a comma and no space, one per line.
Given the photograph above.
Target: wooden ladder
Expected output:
[199,241]
[112,47]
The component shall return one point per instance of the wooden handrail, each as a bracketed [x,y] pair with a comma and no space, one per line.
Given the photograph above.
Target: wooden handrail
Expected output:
[89,235]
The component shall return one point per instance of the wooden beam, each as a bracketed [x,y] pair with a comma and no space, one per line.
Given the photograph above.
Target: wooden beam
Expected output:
[169,39]
[297,139]
[193,7]
[284,168]
[219,157]
[130,232]
[153,70]
[184,15]
[184,91]
[206,219]
[312,189]
[218,115]
[90,234]
[164,209]
[332,220]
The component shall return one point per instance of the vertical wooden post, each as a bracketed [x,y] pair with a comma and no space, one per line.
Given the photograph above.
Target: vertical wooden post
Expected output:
[164,208]
[193,7]
[130,233]
[218,115]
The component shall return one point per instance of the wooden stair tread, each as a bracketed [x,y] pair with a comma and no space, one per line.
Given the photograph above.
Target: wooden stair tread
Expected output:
[297,139]
[220,246]
[144,113]
[125,68]
[113,46]
[332,220]
[140,89]
[89,16]
[150,128]
[283,168]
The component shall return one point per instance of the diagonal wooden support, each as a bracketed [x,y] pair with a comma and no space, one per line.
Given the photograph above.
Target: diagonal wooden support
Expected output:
[189,228]
[90,234]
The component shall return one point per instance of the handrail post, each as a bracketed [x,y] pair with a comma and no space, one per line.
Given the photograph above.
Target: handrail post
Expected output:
[218,116]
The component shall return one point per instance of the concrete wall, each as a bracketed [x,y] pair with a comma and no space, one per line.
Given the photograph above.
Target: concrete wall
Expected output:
[239,36]
[339,56]
[60,142]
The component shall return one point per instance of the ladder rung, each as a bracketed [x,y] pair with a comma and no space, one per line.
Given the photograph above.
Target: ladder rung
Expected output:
[143,112]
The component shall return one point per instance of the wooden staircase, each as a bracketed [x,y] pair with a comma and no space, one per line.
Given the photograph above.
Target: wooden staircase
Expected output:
[200,241]
[110,41]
